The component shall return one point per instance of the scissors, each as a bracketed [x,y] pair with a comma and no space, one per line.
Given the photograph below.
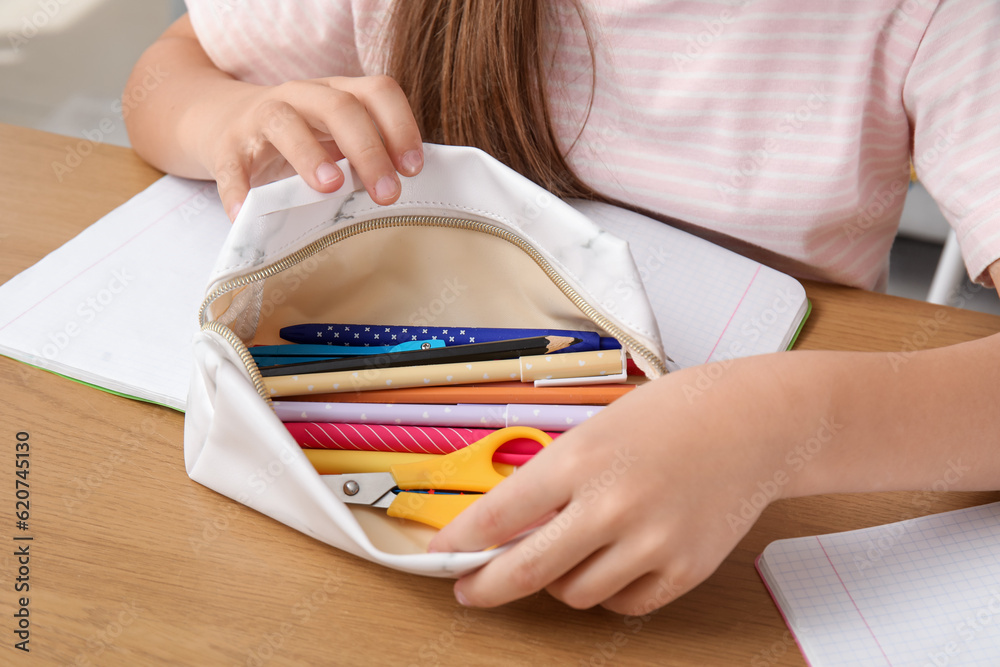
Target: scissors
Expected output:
[434,490]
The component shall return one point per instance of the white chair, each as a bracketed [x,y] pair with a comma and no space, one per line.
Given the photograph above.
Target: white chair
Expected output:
[950,272]
[921,219]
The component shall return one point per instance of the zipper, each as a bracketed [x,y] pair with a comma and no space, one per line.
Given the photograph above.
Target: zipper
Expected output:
[241,349]
[630,343]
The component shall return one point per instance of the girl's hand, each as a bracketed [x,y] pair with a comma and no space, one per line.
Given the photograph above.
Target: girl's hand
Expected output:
[270,132]
[640,503]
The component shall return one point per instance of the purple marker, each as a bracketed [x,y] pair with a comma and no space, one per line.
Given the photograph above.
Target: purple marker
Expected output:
[550,417]
[546,417]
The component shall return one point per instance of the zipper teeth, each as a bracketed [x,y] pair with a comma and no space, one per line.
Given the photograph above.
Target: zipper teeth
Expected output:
[422,221]
[245,356]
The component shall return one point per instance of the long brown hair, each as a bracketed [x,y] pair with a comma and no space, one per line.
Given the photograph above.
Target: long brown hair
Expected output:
[474,72]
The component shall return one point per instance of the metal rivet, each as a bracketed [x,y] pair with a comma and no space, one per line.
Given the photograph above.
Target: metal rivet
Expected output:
[351,487]
[425,346]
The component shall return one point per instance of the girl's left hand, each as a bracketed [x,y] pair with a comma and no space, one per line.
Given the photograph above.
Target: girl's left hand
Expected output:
[640,503]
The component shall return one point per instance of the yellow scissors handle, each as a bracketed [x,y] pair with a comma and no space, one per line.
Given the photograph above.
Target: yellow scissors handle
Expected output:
[469,469]
[434,509]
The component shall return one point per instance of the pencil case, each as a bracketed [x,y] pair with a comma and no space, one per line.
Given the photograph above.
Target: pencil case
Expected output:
[469,242]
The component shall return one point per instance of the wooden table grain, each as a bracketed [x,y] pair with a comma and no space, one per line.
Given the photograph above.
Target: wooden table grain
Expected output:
[132,563]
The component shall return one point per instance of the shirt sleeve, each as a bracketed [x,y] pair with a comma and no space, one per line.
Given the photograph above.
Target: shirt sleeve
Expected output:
[952,97]
[267,42]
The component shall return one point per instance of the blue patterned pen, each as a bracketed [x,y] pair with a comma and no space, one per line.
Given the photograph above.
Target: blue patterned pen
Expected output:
[381,334]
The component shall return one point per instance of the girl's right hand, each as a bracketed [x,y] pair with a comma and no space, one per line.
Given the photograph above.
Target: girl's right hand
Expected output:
[304,127]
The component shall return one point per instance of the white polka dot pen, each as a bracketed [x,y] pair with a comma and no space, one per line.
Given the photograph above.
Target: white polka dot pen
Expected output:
[525,369]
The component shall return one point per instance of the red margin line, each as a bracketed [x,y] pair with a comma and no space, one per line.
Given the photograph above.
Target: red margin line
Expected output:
[740,303]
[851,597]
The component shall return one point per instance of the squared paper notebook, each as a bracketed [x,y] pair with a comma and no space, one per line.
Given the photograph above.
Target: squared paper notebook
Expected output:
[710,303]
[145,266]
[920,592]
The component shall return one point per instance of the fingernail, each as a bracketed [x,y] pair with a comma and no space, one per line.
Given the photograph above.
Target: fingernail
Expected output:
[326,173]
[386,188]
[462,600]
[411,162]
[234,210]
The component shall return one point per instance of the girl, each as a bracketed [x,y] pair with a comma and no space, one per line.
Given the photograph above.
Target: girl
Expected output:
[782,132]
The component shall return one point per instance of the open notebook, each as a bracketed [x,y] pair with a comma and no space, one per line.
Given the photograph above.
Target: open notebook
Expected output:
[117,306]
[920,592]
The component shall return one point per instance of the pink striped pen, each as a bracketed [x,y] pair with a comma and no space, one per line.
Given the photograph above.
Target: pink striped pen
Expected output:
[405,439]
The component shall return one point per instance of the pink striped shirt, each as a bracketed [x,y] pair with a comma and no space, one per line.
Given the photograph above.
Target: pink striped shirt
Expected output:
[782,129]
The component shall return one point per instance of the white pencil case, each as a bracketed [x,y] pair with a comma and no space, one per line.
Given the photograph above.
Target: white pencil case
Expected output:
[469,242]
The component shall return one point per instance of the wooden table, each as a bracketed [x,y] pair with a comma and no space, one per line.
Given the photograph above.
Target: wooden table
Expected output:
[132,563]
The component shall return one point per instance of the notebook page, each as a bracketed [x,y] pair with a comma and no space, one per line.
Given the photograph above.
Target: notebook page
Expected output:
[117,305]
[919,592]
[733,306]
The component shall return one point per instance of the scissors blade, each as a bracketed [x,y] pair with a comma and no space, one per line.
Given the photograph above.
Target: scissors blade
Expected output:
[367,488]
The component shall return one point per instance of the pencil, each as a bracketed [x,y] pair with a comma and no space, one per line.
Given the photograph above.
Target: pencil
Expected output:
[503,349]
[525,369]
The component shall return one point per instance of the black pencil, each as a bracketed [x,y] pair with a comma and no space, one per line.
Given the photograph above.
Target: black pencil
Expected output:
[501,349]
